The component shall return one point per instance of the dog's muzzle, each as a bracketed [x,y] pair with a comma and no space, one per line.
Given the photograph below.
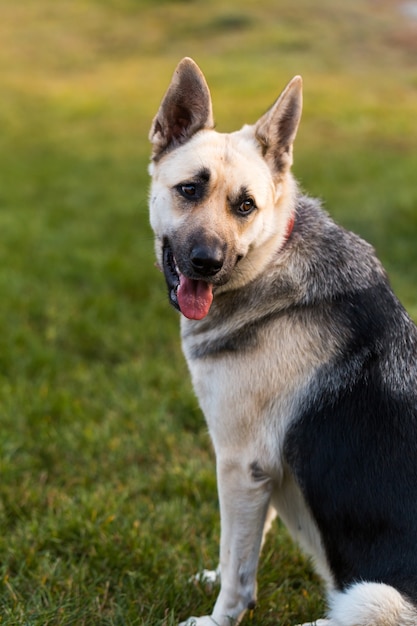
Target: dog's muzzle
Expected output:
[192,295]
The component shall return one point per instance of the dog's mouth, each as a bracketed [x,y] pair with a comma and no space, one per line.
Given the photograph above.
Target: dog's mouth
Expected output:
[191,297]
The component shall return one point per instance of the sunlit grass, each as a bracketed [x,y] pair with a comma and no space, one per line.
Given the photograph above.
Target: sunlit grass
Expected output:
[107,495]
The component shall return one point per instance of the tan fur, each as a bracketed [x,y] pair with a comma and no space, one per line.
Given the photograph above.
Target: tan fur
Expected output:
[256,239]
[248,390]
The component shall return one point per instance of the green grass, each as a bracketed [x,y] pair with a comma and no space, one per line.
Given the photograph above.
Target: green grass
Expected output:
[107,493]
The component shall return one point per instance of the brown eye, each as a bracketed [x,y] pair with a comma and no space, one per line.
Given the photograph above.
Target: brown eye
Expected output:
[188,191]
[247,206]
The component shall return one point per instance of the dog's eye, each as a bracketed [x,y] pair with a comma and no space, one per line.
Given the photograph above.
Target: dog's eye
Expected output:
[247,206]
[188,191]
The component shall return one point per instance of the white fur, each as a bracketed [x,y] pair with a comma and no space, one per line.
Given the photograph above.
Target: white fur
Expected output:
[232,157]
[249,403]
[370,604]
[241,439]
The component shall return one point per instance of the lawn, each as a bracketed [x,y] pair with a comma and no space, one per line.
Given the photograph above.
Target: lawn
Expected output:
[107,494]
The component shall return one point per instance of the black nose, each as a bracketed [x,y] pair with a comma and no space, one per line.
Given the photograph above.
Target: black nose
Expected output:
[207,260]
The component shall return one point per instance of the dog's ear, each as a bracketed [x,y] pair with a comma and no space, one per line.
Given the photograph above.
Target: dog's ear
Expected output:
[276,130]
[185,108]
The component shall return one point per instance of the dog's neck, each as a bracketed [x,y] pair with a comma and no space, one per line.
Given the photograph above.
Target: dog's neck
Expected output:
[286,207]
[288,231]
[290,227]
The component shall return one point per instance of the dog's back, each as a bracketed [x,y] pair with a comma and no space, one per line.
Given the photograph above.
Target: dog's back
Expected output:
[352,446]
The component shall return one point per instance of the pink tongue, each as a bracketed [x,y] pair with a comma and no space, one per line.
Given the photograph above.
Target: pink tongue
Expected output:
[194,297]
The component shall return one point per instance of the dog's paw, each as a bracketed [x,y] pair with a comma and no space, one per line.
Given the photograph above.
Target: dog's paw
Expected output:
[206,620]
[319,622]
[207,577]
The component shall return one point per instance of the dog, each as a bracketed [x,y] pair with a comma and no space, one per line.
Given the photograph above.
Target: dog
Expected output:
[303,360]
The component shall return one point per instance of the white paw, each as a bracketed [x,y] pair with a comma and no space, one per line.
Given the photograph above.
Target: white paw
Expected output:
[207,577]
[319,622]
[206,620]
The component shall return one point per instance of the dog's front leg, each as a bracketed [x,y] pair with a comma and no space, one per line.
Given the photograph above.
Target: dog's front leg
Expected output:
[244,503]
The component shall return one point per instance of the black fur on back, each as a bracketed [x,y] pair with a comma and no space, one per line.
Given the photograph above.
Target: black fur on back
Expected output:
[353,448]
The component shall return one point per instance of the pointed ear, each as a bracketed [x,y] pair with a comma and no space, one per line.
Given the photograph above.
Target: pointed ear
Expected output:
[276,130]
[185,109]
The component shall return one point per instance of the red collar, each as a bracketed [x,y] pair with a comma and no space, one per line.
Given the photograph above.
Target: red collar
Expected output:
[290,226]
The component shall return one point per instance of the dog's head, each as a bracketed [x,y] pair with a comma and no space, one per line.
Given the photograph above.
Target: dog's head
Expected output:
[220,204]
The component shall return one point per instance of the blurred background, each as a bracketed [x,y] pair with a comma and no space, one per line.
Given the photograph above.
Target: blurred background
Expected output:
[107,494]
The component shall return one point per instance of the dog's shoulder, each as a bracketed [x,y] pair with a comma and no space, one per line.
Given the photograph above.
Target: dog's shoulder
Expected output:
[328,260]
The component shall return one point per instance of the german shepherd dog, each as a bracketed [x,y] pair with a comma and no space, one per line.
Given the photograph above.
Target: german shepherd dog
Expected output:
[303,360]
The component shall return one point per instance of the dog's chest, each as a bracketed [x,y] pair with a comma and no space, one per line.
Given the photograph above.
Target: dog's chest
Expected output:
[250,395]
